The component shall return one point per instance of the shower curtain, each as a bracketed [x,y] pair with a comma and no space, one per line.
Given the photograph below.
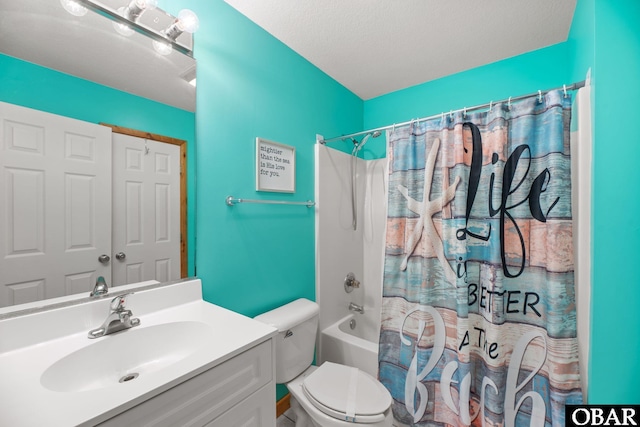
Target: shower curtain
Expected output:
[478,312]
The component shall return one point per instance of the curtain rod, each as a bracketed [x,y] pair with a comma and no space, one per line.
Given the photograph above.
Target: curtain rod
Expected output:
[566,88]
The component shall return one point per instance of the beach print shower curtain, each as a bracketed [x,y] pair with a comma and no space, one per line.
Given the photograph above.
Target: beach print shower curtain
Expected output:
[478,316]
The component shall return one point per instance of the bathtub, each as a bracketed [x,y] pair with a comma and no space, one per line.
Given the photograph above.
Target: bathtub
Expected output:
[356,347]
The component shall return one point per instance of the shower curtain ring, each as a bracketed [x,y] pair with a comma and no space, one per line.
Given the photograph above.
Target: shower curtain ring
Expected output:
[539,96]
[451,115]
[464,113]
[509,104]
[490,106]
[564,88]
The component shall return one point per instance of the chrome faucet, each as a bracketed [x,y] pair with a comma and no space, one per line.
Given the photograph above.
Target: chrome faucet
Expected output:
[119,318]
[100,288]
[356,308]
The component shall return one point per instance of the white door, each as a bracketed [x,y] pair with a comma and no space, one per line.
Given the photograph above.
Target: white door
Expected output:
[146,210]
[55,204]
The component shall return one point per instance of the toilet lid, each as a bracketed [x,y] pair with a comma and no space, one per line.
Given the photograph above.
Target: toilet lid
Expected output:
[347,393]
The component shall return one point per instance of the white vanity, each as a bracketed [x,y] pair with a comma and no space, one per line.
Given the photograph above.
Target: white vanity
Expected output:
[187,363]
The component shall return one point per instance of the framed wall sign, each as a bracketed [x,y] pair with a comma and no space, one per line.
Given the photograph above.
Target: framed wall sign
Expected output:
[275,167]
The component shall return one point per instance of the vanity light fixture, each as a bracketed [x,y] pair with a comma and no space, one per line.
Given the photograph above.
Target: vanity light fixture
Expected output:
[132,13]
[162,28]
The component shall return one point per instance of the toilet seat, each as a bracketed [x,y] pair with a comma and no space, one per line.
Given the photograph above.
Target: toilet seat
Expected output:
[347,393]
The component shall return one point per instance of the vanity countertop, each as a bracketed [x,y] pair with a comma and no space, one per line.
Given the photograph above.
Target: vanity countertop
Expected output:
[33,343]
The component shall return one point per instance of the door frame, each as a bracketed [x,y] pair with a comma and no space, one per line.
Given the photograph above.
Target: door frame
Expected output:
[182,144]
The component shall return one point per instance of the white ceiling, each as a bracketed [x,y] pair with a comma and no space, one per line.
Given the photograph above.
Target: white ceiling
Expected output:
[374,47]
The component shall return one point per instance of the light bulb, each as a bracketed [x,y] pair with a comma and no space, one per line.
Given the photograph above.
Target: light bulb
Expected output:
[188,21]
[136,7]
[73,7]
[162,48]
[146,4]
[121,28]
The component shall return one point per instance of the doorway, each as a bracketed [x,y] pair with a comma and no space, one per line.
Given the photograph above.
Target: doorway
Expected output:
[149,206]
[56,214]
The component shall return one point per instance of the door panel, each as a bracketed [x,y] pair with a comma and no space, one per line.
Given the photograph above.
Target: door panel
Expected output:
[55,193]
[146,210]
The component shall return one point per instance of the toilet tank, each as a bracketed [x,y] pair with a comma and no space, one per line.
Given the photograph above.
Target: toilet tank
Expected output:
[297,324]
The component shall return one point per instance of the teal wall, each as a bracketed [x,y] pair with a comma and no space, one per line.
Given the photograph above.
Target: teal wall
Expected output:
[520,75]
[615,341]
[23,83]
[253,258]
[581,41]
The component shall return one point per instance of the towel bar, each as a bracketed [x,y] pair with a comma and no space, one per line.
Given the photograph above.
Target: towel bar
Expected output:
[233,201]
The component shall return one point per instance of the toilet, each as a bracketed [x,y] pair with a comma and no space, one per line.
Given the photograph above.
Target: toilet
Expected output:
[330,395]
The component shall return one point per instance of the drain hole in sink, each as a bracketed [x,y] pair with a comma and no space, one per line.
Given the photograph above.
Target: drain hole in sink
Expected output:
[129,377]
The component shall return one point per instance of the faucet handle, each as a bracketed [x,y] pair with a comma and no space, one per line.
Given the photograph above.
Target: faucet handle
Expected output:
[350,282]
[119,302]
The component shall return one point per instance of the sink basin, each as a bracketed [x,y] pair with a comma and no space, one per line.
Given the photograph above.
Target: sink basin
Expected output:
[125,357]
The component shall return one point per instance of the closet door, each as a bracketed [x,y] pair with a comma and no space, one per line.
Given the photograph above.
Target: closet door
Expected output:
[55,205]
[146,210]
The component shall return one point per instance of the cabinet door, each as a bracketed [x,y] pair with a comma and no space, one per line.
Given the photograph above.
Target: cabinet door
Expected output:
[209,395]
[258,410]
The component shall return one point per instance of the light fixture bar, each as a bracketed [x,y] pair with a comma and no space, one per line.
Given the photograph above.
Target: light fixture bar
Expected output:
[115,16]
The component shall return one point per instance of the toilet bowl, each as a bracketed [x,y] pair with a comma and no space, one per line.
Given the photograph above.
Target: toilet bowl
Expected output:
[328,395]
[327,408]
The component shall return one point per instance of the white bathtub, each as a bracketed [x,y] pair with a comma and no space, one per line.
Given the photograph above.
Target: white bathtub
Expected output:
[352,347]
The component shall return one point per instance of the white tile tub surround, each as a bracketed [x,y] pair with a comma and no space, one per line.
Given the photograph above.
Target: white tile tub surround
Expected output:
[32,342]
[340,249]
[338,246]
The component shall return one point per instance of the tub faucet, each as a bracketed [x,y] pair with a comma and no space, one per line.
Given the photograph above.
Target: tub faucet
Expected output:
[356,308]
[119,318]
[100,288]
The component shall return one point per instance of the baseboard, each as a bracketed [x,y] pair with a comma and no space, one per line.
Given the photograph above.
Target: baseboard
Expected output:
[282,405]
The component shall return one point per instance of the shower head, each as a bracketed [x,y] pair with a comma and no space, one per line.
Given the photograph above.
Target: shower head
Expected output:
[364,140]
